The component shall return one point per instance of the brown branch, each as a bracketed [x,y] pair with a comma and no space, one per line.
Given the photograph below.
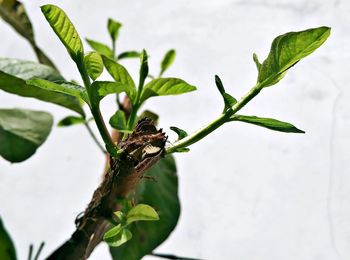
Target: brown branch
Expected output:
[141,150]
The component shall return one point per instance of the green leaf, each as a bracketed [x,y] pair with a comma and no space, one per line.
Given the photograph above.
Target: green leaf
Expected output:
[142,212]
[63,87]
[143,69]
[163,196]
[121,76]
[101,48]
[164,87]
[118,121]
[129,54]
[151,115]
[180,133]
[22,132]
[13,74]
[7,248]
[13,12]
[269,123]
[113,28]
[167,61]
[65,30]
[182,150]
[93,64]
[228,99]
[70,120]
[287,50]
[256,61]
[117,236]
[104,88]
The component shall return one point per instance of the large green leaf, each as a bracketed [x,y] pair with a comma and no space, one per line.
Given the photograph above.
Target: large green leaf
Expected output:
[7,249]
[164,87]
[121,76]
[101,48]
[13,76]
[161,195]
[287,50]
[65,30]
[14,13]
[270,123]
[22,132]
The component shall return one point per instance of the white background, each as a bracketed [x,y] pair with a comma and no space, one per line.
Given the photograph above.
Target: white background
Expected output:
[247,193]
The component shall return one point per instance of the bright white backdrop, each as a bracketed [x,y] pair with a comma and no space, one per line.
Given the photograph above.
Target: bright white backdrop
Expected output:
[247,193]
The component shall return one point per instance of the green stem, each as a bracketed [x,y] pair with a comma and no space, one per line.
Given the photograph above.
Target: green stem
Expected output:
[95,109]
[93,136]
[198,135]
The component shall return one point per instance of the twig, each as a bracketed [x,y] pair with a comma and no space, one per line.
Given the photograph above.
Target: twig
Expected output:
[94,138]
[39,251]
[172,257]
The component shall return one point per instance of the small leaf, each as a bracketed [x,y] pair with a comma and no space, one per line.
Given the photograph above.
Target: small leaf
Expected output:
[70,120]
[141,212]
[118,236]
[287,50]
[228,99]
[121,76]
[167,61]
[113,28]
[181,133]
[118,121]
[104,88]
[151,115]
[101,48]
[93,64]
[257,62]
[129,54]
[120,215]
[22,132]
[65,30]
[143,68]
[269,123]
[164,87]
[7,248]
[182,150]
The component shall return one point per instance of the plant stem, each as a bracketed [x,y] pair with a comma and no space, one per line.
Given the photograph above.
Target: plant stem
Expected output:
[173,257]
[95,109]
[93,136]
[198,135]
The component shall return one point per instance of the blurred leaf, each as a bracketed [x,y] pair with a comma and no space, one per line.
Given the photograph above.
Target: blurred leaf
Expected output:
[14,13]
[142,212]
[70,120]
[269,123]
[93,64]
[101,48]
[129,54]
[143,68]
[180,133]
[65,30]
[13,74]
[167,61]
[121,76]
[22,132]
[118,121]
[117,236]
[287,50]
[113,28]
[164,87]
[162,195]
[7,248]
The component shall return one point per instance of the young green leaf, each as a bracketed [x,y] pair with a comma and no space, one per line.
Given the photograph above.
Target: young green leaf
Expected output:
[256,61]
[113,28]
[142,212]
[71,120]
[93,64]
[164,87]
[269,123]
[103,88]
[182,150]
[117,236]
[7,248]
[143,69]
[65,30]
[287,50]
[129,54]
[121,76]
[22,132]
[180,133]
[101,48]
[19,87]
[167,61]
[228,99]
[118,121]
